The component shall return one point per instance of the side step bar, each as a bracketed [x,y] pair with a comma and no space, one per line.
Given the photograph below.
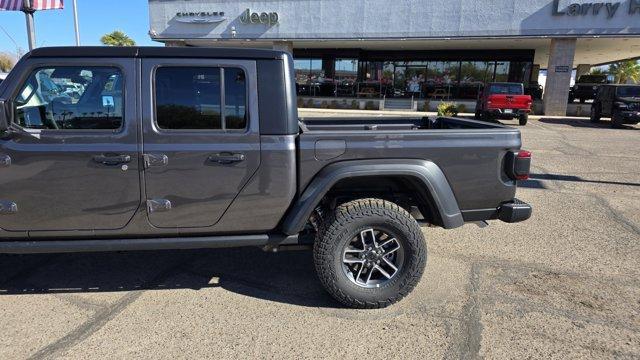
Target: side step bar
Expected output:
[102,245]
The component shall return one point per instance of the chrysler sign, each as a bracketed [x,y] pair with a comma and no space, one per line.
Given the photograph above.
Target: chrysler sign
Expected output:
[200,17]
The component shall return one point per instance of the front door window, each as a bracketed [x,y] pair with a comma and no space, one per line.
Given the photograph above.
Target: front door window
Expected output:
[71,98]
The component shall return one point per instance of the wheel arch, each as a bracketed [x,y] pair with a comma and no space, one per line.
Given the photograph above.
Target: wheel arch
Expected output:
[425,176]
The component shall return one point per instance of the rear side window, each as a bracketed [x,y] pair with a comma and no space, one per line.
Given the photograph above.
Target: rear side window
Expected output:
[629,91]
[71,98]
[507,89]
[200,98]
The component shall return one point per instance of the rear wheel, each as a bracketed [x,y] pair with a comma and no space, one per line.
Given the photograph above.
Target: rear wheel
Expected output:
[369,253]
[595,113]
[523,118]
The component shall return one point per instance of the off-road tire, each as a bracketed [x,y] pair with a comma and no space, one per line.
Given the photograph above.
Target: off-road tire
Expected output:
[595,114]
[347,221]
[522,119]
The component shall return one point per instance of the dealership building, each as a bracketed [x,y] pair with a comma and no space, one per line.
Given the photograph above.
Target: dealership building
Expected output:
[414,49]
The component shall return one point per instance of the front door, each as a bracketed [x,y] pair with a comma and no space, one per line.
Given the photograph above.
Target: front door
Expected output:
[201,138]
[70,160]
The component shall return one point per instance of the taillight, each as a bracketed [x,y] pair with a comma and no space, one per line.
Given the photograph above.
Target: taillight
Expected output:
[518,164]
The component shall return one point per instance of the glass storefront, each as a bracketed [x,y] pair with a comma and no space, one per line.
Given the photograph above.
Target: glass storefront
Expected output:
[446,79]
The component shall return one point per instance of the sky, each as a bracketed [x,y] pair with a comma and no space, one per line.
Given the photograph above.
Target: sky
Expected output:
[95,18]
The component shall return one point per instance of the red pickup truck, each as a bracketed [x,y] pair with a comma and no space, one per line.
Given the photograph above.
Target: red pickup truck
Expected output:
[504,101]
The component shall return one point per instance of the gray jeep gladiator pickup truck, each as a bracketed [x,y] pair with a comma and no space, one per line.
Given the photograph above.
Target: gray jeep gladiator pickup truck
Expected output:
[185,148]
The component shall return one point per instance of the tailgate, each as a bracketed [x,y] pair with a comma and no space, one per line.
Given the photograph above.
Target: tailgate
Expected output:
[509,102]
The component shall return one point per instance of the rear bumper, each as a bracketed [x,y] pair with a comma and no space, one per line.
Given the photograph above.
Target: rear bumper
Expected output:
[514,211]
[505,114]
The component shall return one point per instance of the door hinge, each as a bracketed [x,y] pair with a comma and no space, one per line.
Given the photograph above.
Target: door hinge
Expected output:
[151,160]
[5,160]
[158,205]
[8,207]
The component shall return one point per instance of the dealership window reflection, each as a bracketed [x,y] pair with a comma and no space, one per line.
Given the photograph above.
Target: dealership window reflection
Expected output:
[346,76]
[309,76]
[421,79]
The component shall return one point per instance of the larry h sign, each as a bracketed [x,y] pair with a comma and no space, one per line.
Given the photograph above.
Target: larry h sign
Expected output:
[608,9]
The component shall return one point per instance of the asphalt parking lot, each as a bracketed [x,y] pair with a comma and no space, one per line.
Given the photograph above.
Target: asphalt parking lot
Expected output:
[562,285]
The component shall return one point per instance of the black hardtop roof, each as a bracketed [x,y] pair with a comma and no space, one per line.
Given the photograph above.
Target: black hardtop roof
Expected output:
[622,85]
[156,52]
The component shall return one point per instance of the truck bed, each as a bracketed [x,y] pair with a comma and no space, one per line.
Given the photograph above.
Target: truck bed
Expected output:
[393,123]
[455,145]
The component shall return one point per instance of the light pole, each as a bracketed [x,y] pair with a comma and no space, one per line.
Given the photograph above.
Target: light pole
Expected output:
[18,49]
[31,32]
[75,22]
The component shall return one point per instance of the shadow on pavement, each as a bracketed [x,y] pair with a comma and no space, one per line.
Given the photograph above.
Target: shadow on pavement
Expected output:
[537,177]
[287,277]
[585,123]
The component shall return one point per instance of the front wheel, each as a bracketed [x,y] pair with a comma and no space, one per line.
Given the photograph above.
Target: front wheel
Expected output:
[369,253]
[523,118]
[615,121]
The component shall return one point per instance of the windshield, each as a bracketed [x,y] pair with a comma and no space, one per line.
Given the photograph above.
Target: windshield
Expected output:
[507,89]
[593,79]
[628,91]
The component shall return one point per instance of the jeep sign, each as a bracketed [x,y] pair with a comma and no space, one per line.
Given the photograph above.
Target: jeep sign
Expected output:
[264,18]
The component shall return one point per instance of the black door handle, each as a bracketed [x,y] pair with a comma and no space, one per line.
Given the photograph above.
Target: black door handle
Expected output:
[112,159]
[226,158]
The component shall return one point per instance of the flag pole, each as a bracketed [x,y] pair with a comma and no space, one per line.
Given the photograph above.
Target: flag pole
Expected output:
[75,22]
[31,32]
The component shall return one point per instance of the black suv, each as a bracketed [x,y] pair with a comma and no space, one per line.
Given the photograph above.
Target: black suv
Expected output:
[619,102]
[586,87]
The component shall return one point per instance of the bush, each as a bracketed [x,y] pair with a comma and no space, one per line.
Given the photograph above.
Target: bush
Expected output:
[462,108]
[354,104]
[425,108]
[447,109]
[334,104]
[370,105]
[310,103]
[324,105]
[300,102]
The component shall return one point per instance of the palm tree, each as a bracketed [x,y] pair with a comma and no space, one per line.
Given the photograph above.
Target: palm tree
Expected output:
[598,71]
[117,38]
[6,62]
[625,71]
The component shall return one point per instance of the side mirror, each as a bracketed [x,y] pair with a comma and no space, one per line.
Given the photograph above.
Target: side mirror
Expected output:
[5,115]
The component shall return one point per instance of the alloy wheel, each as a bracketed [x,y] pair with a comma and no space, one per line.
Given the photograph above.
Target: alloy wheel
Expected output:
[372,258]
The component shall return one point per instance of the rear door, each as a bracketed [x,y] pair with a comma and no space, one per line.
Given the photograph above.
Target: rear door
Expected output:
[201,140]
[71,159]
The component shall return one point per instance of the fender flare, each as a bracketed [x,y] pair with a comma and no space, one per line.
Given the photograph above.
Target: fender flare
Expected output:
[427,172]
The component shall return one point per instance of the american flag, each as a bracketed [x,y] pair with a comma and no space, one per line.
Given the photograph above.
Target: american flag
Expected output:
[17,5]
